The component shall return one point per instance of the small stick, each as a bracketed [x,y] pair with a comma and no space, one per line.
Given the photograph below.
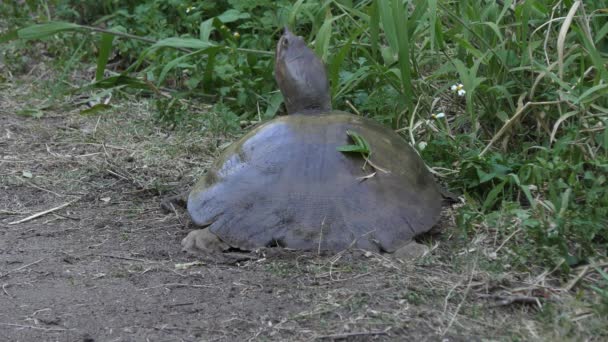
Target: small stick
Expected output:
[464,297]
[507,239]
[177,285]
[32,327]
[120,257]
[22,267]
[506,300]
[509,122]
[353,334]
[353,108]
[42,213]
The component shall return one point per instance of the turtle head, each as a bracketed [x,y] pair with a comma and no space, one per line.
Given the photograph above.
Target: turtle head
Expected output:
[301,76]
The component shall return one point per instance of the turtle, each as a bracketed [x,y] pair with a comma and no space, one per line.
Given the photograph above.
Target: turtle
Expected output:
[287,184]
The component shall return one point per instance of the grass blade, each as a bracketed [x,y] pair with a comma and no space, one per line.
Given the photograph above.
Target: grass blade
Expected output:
[45,30]
[105,47]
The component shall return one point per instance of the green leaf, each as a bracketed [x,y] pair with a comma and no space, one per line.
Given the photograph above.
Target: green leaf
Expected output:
[44,30]
[273,105]
[232,15]
[605,142]
[294,13]
[8,36]
[433,22]
[205,29]
[100,107]
[105,47]
[386,18]
[374,28]
[600,88]
[323,37]
[173,63]
[493,196]
[401,23]
[33,112]
[360,146]
[352,148]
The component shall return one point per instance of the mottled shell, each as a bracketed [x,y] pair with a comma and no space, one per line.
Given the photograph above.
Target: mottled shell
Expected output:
[286,184]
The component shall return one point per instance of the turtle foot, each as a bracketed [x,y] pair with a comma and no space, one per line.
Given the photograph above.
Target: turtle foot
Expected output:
[203,241]
[411,251]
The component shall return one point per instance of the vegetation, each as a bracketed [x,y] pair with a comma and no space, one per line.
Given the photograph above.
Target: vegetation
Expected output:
[506,100]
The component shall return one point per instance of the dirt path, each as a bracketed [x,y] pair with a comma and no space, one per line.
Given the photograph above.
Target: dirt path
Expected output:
[106,264]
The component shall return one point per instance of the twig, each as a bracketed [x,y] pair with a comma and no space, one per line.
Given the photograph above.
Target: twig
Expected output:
[504,300]
[411,124]
[353,334]
[506,240]
[32,327]
[22,267]
[177,285]
[464,297]
[321,236]
[120,257]
[582,273]
[353,108]
[376,167]
[42,213]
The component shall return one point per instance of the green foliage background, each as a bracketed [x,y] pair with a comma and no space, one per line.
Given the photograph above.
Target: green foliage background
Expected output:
[526,146]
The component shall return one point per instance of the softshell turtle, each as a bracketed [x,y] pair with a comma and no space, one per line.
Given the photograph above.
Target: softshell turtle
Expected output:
[286,184]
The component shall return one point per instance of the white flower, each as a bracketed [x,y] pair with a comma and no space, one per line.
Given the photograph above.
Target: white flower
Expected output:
[439,115]
[422,145]
[461,92]
[454,87]
[189,9]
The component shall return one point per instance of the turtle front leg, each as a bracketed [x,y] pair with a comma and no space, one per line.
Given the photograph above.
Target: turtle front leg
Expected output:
[203,241]
[411,251]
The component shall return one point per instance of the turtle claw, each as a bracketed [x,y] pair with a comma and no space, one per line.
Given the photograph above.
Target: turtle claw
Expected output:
[203,241]
[411,251]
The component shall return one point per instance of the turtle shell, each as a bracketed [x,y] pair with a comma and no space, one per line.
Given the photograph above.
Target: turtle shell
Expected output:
[286,184]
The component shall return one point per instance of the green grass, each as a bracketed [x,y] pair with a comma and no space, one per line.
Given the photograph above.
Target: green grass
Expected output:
[526,144]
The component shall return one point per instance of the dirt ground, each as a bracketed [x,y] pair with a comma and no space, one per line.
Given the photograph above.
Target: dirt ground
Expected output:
[102,261]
